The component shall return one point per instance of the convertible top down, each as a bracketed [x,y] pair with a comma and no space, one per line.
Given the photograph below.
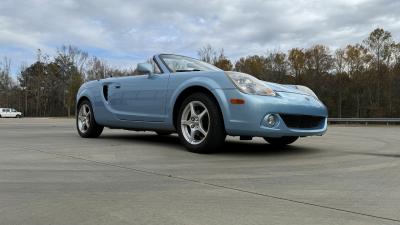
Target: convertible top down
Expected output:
[201,103]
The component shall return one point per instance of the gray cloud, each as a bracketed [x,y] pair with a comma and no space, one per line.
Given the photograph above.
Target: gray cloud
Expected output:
[124,31]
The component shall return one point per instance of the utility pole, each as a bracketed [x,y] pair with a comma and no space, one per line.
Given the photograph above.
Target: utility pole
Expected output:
[26,102]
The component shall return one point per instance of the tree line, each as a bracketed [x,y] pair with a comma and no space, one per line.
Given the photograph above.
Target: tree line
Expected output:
[358,80]
[48,87]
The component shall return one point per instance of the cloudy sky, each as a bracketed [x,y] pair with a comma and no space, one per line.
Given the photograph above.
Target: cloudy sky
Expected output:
[125,32]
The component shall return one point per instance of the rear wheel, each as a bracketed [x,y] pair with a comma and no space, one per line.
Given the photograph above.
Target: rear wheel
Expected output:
[85,122]
[281,141]
[200,124]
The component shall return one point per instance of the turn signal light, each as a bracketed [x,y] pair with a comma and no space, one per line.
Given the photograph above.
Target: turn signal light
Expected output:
[237,101]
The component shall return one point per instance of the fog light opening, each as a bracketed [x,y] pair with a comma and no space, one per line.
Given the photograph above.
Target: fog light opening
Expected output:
[270,120]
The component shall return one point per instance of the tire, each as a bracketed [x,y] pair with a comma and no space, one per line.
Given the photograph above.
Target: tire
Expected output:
[163,133]
[18,116]
[200,124]
[282,141]
[85,122]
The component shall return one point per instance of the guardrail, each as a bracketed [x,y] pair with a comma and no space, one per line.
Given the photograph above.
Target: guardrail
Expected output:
[365,121]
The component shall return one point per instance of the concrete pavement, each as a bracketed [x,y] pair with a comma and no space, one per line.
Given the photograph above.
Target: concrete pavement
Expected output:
[49,175]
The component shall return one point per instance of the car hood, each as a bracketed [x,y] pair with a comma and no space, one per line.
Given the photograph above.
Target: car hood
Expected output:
[285,88]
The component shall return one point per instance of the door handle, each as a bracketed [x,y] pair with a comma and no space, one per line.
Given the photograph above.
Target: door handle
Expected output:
[117,86]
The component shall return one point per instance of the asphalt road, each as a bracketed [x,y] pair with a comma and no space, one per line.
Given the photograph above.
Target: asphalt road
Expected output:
[49,175]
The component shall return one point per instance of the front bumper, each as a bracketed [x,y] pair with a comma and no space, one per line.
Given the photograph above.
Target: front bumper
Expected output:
[247,119]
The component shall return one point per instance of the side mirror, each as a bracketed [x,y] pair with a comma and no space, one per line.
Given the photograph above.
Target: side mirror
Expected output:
[145,68]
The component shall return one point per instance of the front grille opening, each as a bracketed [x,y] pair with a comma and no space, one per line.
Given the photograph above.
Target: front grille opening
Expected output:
[302,121]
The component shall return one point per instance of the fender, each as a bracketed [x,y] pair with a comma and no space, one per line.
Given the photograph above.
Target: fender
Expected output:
[205,82]
[92,91]
[83,93]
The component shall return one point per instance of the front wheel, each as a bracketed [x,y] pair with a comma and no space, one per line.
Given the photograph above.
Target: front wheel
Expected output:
[200,125]
[281,141]
[85,122]
[18,116]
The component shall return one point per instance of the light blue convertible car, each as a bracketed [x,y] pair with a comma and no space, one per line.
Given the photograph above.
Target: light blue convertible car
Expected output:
[201,103]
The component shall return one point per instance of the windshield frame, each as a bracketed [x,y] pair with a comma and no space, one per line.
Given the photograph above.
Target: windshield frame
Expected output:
[202,63]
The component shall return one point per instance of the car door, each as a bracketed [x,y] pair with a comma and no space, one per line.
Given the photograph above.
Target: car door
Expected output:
[7,113]
[140,98]
[13,113]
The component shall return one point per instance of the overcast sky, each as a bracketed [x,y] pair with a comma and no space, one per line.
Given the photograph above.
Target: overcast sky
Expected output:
[125,32]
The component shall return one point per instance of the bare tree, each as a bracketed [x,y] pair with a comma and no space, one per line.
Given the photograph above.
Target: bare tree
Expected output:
[96,69]
[339,60]
[207,54]
[5,80]
[68,54]
[379,42]
[297,60]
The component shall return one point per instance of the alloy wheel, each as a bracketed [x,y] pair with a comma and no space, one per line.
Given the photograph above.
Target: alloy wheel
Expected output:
[84,117]
[195,122]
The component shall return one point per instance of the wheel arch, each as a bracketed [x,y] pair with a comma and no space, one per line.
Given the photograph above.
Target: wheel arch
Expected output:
[80,100]
[191,90]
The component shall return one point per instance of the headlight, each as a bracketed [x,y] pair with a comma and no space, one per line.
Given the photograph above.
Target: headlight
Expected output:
[249,84]
[306,90]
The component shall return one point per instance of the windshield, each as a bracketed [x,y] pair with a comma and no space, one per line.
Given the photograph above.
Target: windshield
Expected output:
[176,63]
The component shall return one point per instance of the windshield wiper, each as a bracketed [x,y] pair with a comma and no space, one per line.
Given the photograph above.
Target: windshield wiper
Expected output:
[187,70]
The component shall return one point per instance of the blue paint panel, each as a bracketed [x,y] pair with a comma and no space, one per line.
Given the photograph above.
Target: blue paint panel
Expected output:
[139,98]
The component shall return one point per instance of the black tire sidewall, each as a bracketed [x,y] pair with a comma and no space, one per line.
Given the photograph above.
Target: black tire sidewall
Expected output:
[216,134]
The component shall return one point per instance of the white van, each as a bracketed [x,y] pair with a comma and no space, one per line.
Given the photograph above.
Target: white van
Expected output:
[9,112]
